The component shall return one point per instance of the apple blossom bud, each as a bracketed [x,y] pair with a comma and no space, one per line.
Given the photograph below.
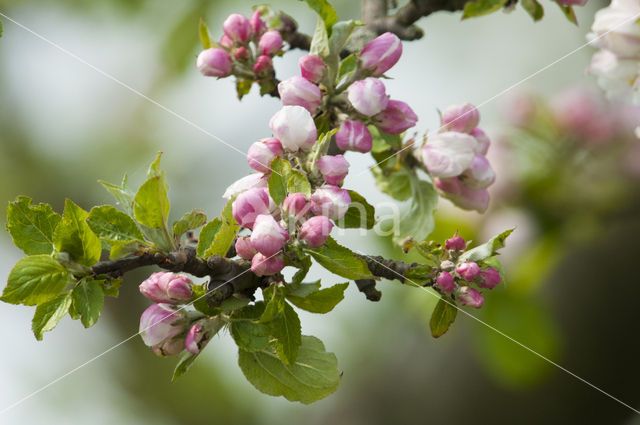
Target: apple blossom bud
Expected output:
[480,175]
[482,139]
[448,154]
[469,296]
[257,25]
[354,136]
[489,278]
[241,54]
[160,322]
[312,67]
[167,287]
[381,53]
[214,63]
[445,281]
[298,91]
[268,237]
[296,206]
[262,153]
[170,347]
[263,65]
[249,205]
[460,118]
[334,168]
[262,265]
[196,338]
[294,127]
[330,201]
[315,231]
[245,183]
[368,96]
[237,28]
[396,118]
[244,248]
[270,43]
[455,243]
[468,270]
[226,42]
[462,196]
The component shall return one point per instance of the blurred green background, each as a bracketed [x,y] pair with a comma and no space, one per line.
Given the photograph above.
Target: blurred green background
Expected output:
[572,287]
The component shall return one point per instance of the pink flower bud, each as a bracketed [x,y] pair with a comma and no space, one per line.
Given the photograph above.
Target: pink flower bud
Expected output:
[244,248]
[296,206]
[262,153]
[462,196]
[489,278]
[226,42]
[455,243]
[214,63]
[249,205]
[381,53]
[330,201]
[263,65]
[270,43]
[241,54]
[196,338]
[170,347]
[257,25]
[445,281]
[315,231]
[469,296]
[312,68]
[268,237]
[167,287]
[245,183]
[482,139]
[461,118]
[262,265]
[334,168]
[298,91]
[354,136]
[396,118]
[160,322]
[237,28]
[368,96]
[480,175]
[468,270]
[448,154]
[294,127]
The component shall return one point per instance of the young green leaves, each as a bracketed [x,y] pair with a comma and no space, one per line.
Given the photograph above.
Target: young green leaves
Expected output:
[32,226]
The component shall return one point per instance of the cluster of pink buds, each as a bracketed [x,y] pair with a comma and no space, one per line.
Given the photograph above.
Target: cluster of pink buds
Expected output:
[246,49]
[165,327]
[456,279]
[456,158]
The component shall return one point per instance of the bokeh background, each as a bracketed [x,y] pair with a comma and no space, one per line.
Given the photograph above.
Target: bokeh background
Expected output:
[572,285]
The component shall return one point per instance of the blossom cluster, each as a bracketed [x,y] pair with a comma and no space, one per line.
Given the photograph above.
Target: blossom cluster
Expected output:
[456,277]
[456,158]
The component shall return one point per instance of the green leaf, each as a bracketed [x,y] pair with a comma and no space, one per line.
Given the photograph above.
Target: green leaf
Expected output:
[486,250]
[124,198]
[397,184]
[111,287]
[225,234]
[205,36]
[74,236]
[418,220]
[274,299]
[286,328]
[48,314]
[340,260]
[1,30]
[442,317]
[347,66]
[184,364]
[312,377]
[35,280]
[481,7]
[301,290]
[31,227]
[190,221]
[568,12]
[121,249]
[360,214]
[533,8]
[207,235]
[322,301]
[154,168]
[383,141]
[281,171]
[303,268]
[325,11]
[151,203]
[112,225]
[243,87]
[298,183]
[320,40]
[247,332]
[88,299]
[340,33]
